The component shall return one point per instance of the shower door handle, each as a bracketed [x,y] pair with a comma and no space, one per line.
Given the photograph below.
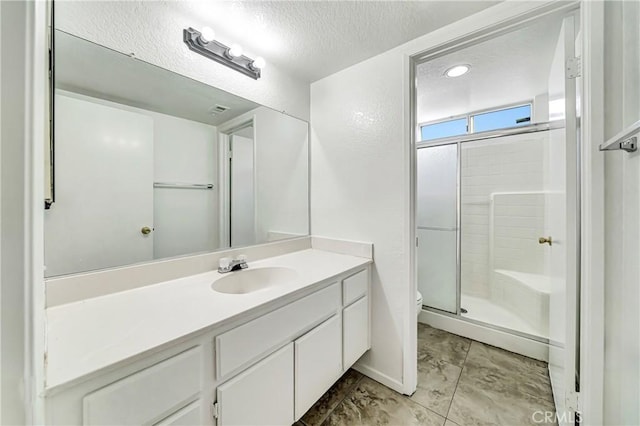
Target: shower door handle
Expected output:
[545,240]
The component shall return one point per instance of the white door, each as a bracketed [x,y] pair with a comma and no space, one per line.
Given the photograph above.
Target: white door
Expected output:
[104,187]
[562,225]
[243,222]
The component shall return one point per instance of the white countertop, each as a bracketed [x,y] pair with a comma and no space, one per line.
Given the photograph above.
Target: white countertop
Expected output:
[86,336]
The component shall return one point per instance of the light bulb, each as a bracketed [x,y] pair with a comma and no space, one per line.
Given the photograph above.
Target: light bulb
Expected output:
[258,63]
[207,34]
[235,51]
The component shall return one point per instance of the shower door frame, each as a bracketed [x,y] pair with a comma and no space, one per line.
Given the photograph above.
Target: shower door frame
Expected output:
[459,141]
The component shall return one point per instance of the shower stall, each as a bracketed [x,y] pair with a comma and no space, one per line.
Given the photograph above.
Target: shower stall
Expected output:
[497,219]
[485,216]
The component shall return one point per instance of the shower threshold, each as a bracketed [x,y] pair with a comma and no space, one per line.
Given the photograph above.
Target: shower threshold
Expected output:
[484,310]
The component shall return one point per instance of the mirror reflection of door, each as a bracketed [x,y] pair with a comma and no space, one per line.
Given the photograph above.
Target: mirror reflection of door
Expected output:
[102,173]
[242,187]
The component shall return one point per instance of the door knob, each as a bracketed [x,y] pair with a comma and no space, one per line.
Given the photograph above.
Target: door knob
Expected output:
[545,240]
[145,230]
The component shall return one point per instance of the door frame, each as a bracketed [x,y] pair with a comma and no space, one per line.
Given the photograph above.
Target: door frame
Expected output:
[591,403]
[592,177]
[224,176]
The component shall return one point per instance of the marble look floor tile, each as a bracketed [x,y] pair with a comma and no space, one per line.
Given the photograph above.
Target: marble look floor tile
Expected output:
[501,388]
[436,383]
[506,372]
[476,406]
[321,409]
[439,345]
[374,404]
[450,423]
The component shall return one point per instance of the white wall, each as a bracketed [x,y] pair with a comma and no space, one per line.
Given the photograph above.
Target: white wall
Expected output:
[622,208]
[153,32]
[12,221]
[281,172]
[361,182]
[13,291]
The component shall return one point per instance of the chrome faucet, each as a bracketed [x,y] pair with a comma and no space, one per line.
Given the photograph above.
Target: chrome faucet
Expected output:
[228,265]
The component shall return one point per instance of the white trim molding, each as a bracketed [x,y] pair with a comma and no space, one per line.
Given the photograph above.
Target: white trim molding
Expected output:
[592,163]
[24,135]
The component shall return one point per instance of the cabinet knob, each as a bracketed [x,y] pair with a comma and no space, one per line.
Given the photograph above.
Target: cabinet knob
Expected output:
[145,230]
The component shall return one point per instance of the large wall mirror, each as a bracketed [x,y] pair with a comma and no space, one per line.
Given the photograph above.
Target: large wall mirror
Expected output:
[150,164]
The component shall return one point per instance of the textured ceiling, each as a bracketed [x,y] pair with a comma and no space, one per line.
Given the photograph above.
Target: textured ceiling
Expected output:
[511,68]
[87,68]
[313,39]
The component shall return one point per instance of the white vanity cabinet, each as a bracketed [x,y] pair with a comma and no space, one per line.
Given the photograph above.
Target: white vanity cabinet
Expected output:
[268,370]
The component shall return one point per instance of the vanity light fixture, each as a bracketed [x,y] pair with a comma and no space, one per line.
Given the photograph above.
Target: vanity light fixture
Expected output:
[203,43]
[457,70]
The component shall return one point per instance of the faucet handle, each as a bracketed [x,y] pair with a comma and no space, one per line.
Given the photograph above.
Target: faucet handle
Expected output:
[241,257]
[224,262]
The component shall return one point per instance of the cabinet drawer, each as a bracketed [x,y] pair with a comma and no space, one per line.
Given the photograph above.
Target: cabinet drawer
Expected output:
[355,287]
[318,362]
[148,396]
[355,338]
[253,340]
[261,395]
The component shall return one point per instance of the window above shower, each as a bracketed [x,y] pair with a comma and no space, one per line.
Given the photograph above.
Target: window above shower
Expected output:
[479,121]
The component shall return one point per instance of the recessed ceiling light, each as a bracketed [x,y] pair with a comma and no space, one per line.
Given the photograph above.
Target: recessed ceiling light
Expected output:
[457,71]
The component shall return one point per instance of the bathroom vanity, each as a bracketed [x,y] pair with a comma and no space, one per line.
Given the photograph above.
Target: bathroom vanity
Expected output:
[182,352]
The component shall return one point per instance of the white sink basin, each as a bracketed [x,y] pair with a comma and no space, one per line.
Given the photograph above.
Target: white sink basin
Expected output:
[256,279]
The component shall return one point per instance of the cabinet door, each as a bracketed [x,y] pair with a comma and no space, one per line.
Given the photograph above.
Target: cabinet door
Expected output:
[261,395]
[318,360]
[355,331]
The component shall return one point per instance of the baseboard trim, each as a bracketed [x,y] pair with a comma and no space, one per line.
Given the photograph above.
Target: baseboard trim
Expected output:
[374,374]
[500,339]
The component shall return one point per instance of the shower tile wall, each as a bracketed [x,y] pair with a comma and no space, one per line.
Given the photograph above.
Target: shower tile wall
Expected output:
[509,164]
[517,220]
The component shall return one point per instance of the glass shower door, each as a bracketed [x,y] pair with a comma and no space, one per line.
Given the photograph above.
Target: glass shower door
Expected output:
[437,223]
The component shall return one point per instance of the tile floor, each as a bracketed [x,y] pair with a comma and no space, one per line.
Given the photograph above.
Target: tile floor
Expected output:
[460,382]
